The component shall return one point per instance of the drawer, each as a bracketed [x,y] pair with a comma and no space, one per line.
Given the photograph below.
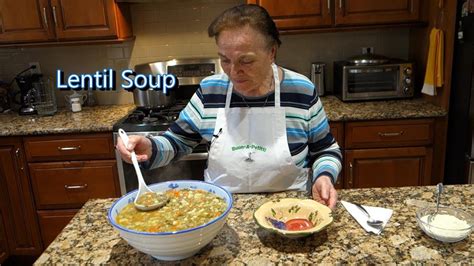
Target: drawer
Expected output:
[53,222]
[71,184]
[395,133]
[69,147]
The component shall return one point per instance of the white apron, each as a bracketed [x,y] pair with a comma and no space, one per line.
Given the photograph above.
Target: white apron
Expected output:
[251,153]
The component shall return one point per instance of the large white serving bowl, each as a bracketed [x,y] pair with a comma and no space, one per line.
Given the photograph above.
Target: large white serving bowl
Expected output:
[172,245]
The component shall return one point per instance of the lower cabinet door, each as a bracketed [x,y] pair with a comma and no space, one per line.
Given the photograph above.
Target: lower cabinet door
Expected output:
[3,240]
[390,167]
[20,221]
[337,130]
[340,181]
[53,222]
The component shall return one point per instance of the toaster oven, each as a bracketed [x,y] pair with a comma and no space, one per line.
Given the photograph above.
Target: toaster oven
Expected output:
[389,80]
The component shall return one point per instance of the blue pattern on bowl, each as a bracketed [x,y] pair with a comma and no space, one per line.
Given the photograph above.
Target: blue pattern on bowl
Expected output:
[173,186]
[277,224]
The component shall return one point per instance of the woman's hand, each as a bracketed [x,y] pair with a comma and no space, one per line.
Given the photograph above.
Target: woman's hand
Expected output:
[140,144]
[324,192]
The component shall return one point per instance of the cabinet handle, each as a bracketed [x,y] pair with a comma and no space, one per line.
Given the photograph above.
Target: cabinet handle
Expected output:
[73,187]
[73,164]
[390,134]
[45,19]
[329,6]
[54,16]
[73,148]
[351,174]
[17,153]
[340,4]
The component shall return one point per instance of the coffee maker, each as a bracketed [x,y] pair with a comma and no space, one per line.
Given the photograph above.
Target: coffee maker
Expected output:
[28,93]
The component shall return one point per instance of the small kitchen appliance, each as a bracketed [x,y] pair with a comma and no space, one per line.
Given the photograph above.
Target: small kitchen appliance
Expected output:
[26,83]
[318,73]
[373,77]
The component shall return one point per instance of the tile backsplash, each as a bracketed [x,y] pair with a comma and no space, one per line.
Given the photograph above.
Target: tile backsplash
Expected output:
[178,29]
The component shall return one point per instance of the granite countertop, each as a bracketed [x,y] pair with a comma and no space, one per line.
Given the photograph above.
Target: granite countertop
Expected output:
[336,110]
[102,118]
[89,238]
[90,119]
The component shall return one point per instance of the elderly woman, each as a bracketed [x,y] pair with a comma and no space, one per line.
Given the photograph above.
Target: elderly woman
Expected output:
[265,124]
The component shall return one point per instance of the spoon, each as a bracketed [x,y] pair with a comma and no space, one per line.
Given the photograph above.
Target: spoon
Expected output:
[146,199]
[370,221]
[439,190]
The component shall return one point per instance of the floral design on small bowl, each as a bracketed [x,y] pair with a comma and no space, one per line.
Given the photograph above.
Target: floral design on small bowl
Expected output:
[292,217]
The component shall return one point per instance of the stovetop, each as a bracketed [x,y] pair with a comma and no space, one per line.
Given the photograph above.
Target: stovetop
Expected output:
[150,120]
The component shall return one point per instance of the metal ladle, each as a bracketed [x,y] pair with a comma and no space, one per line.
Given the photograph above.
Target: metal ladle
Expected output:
[370,221]
[160,199]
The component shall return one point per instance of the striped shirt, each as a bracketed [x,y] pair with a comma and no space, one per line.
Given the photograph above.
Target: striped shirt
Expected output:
[309,140]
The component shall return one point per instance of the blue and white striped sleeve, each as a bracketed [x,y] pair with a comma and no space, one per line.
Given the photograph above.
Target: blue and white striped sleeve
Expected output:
[324,151]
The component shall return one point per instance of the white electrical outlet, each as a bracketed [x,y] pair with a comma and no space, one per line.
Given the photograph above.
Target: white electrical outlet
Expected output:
[367,50]
[37,70]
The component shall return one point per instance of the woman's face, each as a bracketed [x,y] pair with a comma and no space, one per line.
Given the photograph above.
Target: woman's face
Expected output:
[246,59]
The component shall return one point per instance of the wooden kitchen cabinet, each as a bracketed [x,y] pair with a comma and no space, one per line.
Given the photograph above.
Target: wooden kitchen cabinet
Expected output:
[67,170]
[390,167]
[298,14]
[53,222]
[366,12]
[70,184]
[333,14]
[25,21]
[4,253]
[63,20]
[390,153]
[89,19]
[337,130]
[393,133]
[69,147]
[21,224]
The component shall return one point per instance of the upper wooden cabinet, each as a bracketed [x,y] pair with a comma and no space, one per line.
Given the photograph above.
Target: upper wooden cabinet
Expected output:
[84,19]
[355,12]
[25,21]
[298,13]
[62,20]
[311,14]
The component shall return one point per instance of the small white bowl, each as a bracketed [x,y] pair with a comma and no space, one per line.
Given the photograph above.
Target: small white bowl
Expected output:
[176,245]
[446,232]
[274,216]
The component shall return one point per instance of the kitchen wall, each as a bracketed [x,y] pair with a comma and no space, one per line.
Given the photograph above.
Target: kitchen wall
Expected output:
[177,29]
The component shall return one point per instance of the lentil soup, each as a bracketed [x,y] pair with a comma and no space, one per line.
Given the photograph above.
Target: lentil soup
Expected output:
[186,209]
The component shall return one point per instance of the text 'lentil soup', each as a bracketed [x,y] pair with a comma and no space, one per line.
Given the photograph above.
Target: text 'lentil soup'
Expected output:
[186,209]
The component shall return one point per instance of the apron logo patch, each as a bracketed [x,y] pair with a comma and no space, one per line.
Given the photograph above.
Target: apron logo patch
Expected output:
[249,147]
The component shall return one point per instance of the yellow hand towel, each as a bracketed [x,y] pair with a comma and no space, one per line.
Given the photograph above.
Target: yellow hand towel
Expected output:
[435,65]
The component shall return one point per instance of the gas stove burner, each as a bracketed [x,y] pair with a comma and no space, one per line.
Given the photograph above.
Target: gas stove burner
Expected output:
[166,118]
[148,119]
